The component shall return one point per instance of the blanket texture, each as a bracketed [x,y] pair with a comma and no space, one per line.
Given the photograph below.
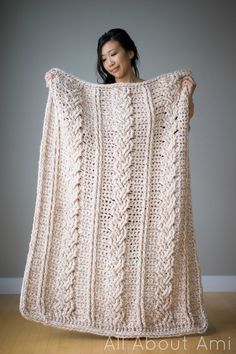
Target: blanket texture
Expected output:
[113,249]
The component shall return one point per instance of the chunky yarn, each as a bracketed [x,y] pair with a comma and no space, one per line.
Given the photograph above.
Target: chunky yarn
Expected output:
[112,249]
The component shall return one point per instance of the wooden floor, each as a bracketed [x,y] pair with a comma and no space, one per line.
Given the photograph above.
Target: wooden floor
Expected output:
[18,335]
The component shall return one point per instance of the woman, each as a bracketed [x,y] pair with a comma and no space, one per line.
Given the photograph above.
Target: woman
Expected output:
[116,62]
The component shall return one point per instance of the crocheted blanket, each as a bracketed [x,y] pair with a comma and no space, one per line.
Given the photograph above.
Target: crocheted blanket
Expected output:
[113,249]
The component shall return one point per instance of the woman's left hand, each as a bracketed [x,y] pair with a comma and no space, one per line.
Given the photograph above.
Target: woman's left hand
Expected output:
[189,83]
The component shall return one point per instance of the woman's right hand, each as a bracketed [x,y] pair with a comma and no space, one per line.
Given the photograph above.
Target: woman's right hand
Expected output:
[48,76]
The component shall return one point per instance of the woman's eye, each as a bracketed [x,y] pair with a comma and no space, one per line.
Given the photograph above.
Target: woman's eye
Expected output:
[111,55]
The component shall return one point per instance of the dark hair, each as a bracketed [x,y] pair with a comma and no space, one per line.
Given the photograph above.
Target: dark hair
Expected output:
[126,42]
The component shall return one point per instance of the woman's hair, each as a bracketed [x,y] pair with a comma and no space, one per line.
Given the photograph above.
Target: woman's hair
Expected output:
[126,42]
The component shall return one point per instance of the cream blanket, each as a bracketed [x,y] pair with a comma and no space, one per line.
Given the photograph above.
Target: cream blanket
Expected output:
[113,250]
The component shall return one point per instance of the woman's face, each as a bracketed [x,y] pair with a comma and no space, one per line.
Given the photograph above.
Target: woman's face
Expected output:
[115,57]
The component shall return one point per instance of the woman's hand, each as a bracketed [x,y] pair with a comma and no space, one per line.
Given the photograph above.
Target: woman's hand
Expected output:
[48,76]
[191,85]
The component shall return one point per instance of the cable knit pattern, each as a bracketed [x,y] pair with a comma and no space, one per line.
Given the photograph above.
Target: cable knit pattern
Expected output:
[122,174]
[75,149]
[112,249]
[167,214]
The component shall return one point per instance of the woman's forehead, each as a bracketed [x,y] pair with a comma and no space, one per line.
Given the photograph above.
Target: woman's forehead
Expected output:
[109,46]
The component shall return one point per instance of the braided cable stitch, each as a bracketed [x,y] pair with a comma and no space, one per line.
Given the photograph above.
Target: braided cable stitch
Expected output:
[113,249]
